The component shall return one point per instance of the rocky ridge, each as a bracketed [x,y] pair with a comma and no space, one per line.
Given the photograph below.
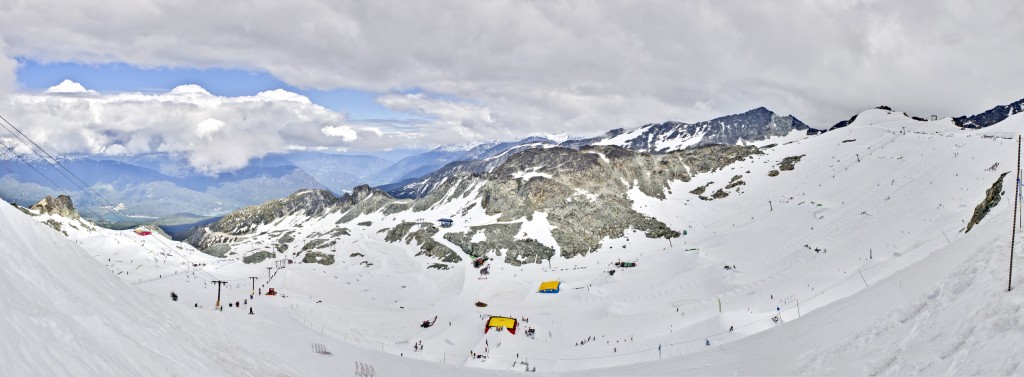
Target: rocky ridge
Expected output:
[584,194]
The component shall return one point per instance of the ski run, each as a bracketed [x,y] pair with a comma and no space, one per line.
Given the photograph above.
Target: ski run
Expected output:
[854,262]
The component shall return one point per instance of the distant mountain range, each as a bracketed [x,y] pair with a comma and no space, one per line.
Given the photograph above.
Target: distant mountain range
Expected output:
[165,186]
[162,185]
[756,125]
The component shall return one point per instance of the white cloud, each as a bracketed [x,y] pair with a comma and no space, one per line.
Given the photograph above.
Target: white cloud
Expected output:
[215,133]
[578,67]
[209,126]
[7,70]
[68,87]
[346,133]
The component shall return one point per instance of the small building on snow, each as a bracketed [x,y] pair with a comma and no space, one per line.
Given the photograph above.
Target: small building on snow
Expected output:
[550,286]
[502,322]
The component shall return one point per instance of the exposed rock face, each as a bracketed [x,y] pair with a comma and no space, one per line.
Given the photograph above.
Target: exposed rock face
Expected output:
[992,116]
[753,125]
[60,206]
[306,202]
[318,257]
[363,200]
[992,197]
[475,163]
[500,237]
[422,233]
[257,257]
[584,195]
[789,163]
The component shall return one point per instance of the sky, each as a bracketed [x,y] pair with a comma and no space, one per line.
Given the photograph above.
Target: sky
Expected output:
[388,74]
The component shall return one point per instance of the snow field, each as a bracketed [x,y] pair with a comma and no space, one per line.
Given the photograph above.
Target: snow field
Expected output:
[861,253]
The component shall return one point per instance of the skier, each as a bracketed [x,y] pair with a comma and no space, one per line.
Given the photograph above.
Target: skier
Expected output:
[250,310]
[707,342]
[730,328]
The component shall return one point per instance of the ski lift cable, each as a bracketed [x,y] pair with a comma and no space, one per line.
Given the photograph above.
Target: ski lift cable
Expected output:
[54,163]
[62,188]
[81,183]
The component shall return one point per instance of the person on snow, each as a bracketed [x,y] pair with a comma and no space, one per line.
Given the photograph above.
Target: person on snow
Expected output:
[250,310]
[707,342]
[730,328]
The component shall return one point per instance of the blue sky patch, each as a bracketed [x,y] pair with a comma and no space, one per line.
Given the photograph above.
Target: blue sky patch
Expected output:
[120,77]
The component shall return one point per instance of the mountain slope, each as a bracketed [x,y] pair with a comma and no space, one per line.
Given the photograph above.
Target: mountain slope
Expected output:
[62,313]
[820,220]
[992,116]
[754,125]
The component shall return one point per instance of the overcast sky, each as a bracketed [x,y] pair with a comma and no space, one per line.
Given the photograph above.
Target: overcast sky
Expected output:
[449,72]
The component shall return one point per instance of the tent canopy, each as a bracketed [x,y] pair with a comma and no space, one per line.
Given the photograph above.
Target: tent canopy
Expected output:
[549,286]
[501,322]
[506,322]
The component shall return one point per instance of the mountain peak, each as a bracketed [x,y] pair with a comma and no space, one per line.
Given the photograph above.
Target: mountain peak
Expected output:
[752,125]
[361,192]
[992,116]
[60,206]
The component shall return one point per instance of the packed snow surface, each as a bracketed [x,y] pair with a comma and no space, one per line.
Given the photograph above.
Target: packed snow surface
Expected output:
[855,262]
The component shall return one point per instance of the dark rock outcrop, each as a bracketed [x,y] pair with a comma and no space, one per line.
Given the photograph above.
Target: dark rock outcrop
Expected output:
[992,197]
[992,116]
[59,206]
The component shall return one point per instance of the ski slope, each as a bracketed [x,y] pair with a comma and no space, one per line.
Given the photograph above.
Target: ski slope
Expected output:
[63,313]
[860,253]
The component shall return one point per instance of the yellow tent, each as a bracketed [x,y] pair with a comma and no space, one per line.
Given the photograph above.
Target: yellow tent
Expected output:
[549,286]
[506,322]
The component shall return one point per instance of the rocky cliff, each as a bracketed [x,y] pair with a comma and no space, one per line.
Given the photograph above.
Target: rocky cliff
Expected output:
[59,206]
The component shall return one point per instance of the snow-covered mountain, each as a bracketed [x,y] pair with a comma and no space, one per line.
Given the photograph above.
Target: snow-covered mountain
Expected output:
[481,159]
[784,218]
[758,125]
[755,125]
[992,116]
[413,167]
[875,248]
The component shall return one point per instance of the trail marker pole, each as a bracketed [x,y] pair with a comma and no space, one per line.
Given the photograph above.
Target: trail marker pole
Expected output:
[1013,230]
[862,278]
[798,308]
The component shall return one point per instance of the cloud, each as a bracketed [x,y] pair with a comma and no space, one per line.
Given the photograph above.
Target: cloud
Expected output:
[215,133]
[208,127]
[344,132]
[7,71]
[68,87]
[519,68]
